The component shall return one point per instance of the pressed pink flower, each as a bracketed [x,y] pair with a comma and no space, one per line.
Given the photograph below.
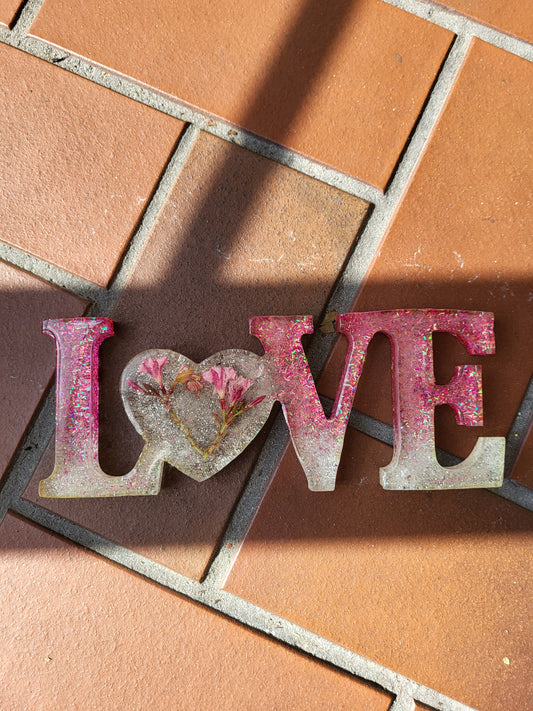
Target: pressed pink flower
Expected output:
[219,376]
[152,366]
[235,389]
[255,402]
[136,386]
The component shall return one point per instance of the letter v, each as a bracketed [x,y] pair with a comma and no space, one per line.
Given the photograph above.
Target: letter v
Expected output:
[318,440]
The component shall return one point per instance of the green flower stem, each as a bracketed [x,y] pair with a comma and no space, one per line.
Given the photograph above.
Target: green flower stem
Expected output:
[183,427]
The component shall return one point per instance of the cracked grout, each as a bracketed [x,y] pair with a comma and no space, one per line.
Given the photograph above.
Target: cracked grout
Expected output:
[239,610]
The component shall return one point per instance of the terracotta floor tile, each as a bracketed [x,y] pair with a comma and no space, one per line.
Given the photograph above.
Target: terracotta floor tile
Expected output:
[238,236]
[513,16]
[26,356]
[79,164]
[523,469]
[435,585]
[342,84]
[79,632]
[8,10]
[462,239]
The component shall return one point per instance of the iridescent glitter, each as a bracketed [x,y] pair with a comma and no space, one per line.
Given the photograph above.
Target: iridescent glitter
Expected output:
[318,440]
[196,417]
[200,417]
[414,463]
[77,472]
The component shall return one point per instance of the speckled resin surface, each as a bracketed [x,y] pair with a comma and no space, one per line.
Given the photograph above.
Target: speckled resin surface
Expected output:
[318,441]
[77,472]
[196,417]
[414,463]
[199,417]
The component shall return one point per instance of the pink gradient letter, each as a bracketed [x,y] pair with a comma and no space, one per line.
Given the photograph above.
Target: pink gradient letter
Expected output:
[77,472]
[318,440]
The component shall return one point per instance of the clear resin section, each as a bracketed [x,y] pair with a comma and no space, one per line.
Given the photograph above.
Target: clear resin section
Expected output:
[198,417]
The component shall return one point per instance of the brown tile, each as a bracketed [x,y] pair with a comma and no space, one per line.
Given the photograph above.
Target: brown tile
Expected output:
[461,239]
[79,632]
[343,84]
[26,356]
[79,165]
[238,236]
[435,585]
[523,469]
[513,16]
[8,10]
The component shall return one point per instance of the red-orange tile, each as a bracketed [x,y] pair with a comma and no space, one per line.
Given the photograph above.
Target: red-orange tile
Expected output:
[79,632]
[238,236]
[462,240]
[26,356]
[435,585]
[342,82]
[79,164]
[8,10]
[523,469]
[512,16]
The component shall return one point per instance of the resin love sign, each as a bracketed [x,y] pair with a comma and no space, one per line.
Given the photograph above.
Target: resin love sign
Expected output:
[199,417]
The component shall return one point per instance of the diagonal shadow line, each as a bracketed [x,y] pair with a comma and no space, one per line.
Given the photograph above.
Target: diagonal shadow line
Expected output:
[301,58]
[253,184]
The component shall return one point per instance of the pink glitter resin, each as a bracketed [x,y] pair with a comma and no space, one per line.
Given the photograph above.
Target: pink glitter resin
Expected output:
[318,440]
[77,472]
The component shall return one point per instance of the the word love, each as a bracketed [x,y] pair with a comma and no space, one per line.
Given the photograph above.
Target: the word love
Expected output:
[198,417]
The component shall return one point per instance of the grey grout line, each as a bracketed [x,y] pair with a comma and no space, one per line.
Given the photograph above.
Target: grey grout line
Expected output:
[248,504]
[369,425]
[346,290]
[26,17]
[343,295]
[26,459]
[403,702]
[165,103]
[460,24]
[28,454]
[367,248]
[519,430]
[240,610]
[103,299]
[515,492]
[510,490]
[105,303]
[50,273]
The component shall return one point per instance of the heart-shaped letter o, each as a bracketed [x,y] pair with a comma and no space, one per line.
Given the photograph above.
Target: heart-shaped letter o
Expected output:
[198,417]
